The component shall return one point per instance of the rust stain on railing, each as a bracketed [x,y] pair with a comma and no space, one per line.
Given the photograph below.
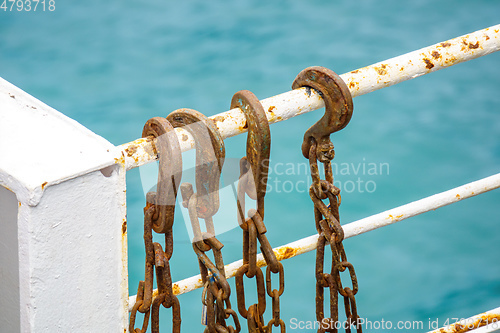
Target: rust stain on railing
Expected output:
[467,325]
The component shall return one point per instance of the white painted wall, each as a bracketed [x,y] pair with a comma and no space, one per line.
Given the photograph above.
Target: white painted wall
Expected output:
[63,221]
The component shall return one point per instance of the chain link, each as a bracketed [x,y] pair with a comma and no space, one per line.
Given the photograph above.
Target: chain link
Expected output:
[318,147]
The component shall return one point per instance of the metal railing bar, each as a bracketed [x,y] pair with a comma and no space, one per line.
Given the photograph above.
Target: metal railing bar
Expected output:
[356,228]
[488,321]
[360,81]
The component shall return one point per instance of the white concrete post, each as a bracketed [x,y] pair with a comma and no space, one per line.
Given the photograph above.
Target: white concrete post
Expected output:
[63,258]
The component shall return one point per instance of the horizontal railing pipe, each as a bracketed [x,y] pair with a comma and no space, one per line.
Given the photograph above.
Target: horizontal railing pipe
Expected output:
[355,228]
[488,321]
[360,81]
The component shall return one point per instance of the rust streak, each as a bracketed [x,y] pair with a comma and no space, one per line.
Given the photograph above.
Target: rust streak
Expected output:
[44,184]
[382,69]
[286,252]
[271,108]
[436,55]
[473,46]
[428,63]
[219,119]
[131,150]
[124,227]
[355,71]
[175,288]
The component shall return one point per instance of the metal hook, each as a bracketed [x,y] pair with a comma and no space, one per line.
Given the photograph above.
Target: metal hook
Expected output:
[338,108]
[209,157]
[258,141]
[169,172]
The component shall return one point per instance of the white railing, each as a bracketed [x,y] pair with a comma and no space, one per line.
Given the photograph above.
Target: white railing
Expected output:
[360,81]
[355,228]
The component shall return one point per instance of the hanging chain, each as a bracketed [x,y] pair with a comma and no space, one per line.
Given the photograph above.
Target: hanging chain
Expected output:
[204,204]
[210,154]
[318,147]
[159,216]
[254,185]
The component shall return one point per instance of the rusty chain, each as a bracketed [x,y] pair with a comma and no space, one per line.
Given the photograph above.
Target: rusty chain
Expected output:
[210,154]
[254,185]
[318,147]
[159,216]
[204,204]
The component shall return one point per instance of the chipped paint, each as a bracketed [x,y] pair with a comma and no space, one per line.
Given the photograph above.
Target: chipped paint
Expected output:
[473,46]
[429,64]
[436,55]
[381,70]
[472,323]
[131,150]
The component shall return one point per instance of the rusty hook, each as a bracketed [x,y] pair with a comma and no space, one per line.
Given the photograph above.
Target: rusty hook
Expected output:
[258,142]
[338,108]
[169,172]
[210,154]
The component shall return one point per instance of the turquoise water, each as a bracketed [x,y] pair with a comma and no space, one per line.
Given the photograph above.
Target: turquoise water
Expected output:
[113,65]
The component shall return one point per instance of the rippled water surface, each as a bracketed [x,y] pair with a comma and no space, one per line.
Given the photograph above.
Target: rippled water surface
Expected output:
[113,65]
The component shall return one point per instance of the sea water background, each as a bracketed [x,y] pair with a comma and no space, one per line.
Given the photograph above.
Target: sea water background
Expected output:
[112,65]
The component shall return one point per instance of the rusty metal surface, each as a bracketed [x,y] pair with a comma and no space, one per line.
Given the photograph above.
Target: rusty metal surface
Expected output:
[338,108]
[159,216]
[209,158]
[258,142]
[169,172]
[254,169]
